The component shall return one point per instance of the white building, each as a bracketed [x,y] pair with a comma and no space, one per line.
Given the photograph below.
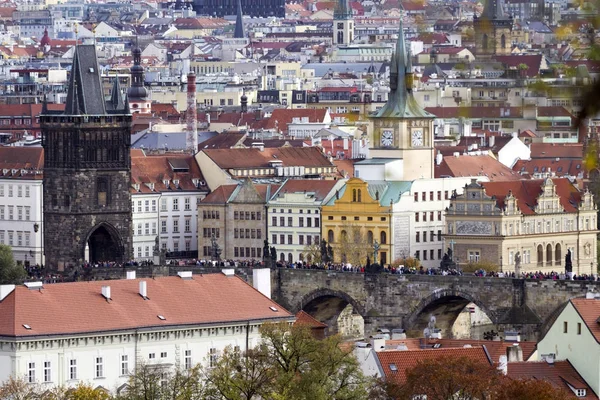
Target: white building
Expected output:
[100,332]
[166,190]
[294,217]
[21,202]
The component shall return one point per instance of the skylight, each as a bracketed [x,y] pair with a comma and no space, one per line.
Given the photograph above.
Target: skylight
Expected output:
[161,317]
[274,309]
[27,327]
[393,368]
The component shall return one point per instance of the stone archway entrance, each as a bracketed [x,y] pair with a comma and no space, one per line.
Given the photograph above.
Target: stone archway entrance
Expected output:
[103,244]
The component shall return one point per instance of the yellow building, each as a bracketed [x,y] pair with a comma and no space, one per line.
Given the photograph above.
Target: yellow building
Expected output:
[353,220]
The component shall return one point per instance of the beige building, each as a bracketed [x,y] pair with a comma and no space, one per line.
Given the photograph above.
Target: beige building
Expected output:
[539,220]
[235,216]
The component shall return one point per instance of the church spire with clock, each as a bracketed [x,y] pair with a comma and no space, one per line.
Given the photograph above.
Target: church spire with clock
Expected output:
[402,129]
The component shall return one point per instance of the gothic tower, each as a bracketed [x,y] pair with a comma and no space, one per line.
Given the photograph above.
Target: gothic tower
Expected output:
[87,171]
[137,94]
[343,24]
[401,128]
[493,30]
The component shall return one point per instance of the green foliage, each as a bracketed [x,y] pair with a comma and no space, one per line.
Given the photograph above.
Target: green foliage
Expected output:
[156,382]
[485,265]
[10,272]
[409,262]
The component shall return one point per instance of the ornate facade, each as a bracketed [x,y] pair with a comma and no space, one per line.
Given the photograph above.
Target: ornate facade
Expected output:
[87,171]
[493,31]
[536,221]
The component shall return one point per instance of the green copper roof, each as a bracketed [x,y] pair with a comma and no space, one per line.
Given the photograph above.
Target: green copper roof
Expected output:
[401,102]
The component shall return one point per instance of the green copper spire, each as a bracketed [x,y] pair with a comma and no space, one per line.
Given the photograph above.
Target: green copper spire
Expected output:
[401,103]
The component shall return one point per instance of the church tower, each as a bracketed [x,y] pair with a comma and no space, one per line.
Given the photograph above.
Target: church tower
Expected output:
[493,30]
[137,94]
[87,171]
[343,23]
[401,128]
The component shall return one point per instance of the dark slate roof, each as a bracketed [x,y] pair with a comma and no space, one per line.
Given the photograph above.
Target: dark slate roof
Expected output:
[85,93]
[239,23]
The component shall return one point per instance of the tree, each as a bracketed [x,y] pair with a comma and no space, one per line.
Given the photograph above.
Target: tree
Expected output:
[353,245]
[85,392]
[457,378]
[20,389]
[485,265]
[288,364]
[529,389]
[10,272]
[157,382]
[312,253]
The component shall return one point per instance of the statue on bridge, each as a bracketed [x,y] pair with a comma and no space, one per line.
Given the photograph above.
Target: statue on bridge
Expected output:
[374,268]
[273,254]
[447,262]
[266,254]
[569,265]
[215,249]
[518,264]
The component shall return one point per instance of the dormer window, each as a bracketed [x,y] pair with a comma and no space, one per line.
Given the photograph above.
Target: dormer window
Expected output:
[176,182]
[166,182]
[136,186]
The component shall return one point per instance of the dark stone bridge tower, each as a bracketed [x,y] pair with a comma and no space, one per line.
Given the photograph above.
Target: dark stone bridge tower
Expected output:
[87,171]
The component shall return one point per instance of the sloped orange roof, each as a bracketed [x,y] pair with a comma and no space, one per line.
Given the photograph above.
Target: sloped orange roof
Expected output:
[156,168]
[557,150]
[495,348]
[589,311]
[303,318]
[255,158]
[561,374]
[404,360]
[468,165]
[528,191]
[79,307]
[281,117]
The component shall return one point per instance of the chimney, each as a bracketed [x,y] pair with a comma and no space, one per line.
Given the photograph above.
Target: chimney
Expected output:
[228,271]
[588,295]
[345,143]
[185,274]
[130,274]
[514,353]
[456,154]
[549,358]
[5,290]
[377,343]
[191,116]
[261,280]
[503,364]
[492,141]
[106,292]
[143,290]
[512,336]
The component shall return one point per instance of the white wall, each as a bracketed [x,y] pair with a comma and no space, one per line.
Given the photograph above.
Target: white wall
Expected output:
[513,151]
[394,170]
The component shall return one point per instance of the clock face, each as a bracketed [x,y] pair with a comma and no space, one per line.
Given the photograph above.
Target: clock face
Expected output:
[387,138]
[417,138]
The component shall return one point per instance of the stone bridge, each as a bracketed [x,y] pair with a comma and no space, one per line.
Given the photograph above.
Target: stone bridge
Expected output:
[407,301]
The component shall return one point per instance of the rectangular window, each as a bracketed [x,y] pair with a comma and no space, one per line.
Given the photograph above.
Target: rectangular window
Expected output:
[424,236]
[316,222]
[139,203]
[424,254]
[146,228]
[163,226]
[146,205]
[175,204]
[439,195]
[474,256]
[1,190]
[27,213]
[259,234]
[151,356]
[154,205]
[187,204]
[187,361]
[274,239]
[431,236]
[72,369]
[565,327]
[175,226]
[416,197]
[282,221]
[417,217]
[274,221]
[439,254]
[301,240]
[19,191]
[431,196]
[424,196]
[163,354]
[281,239]
[431,254]
[418,238]
[20,213]
[27,238]
[163,204]
[439,235]
[47,371]
[424,217]
[212,359]
[418,254]
[446,195]
[10,190]
[188,225]
[124,365]
[31,372]
[290,223]
[579,328]
[301,222]
[290,240]
[99,367]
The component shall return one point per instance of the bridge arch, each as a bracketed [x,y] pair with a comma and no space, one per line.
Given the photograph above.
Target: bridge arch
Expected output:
[449,302]
[340,311]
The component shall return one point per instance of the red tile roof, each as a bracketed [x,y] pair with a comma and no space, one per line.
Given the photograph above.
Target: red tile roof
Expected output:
[466,165]
[557,150]
[320,188]
[407,359]
[561,167]
[495,349]
[79,307]
[30,159]
[561,374]
[303,318]
[528,191]
[222,141]
[255,158]
[223,194]
[589,311]
[533,62]
[146,169]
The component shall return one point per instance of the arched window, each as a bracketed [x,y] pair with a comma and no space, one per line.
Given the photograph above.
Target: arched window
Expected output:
[484,41]
[558,254]
[370,237]
[540,255]
[343,236]
[290,258]
[330,236]
[503,41]
[340,37]
[354,195]
[382,237]
[282,257]
[549,254]
[359,195]
[301,257]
